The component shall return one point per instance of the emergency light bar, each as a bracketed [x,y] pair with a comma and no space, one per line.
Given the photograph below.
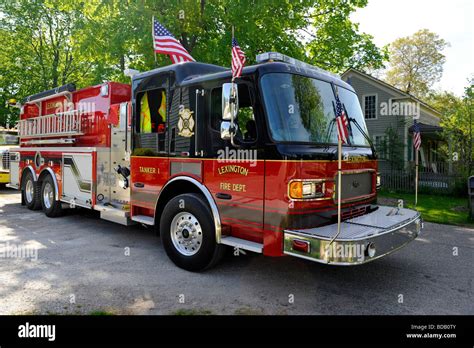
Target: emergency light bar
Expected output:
[279,57]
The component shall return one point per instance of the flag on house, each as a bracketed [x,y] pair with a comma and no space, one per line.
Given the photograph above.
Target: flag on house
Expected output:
[416,135]
[165,43]
[238,59]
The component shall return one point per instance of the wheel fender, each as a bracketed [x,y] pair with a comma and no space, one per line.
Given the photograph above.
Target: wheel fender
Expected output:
[207,195]
[49,171]
[30,168]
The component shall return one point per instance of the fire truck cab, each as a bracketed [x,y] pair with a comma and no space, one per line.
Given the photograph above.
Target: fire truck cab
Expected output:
[212,163]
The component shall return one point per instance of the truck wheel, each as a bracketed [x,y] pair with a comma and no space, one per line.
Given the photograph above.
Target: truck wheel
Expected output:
[51,207]
[188,233]
[31,192]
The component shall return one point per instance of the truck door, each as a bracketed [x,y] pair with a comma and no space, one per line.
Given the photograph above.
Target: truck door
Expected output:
[235,176]
[149,160]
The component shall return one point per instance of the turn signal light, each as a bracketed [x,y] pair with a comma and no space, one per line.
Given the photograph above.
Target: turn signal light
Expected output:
[298,189]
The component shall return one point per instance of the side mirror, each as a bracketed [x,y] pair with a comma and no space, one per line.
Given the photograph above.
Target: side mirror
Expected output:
[230,101]
[230,109]
[227,130]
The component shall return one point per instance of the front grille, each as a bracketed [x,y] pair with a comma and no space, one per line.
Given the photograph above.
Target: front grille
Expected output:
[5,161]
[352,213]
[355,185]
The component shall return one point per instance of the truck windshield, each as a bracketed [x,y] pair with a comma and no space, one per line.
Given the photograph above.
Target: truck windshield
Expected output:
[8,139]
[301,109]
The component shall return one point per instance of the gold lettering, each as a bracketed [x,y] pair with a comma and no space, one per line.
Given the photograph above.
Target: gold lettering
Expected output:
[238,188]
[51,105]
[227,186]
[148,170]
[233,169]
[357,159]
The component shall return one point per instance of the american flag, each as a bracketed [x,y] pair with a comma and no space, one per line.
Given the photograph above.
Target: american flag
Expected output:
[342,122]
[165,43]
[416,135]
[238,59]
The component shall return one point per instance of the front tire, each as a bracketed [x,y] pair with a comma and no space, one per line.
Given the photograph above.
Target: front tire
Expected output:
[51,207]
[188,233]
[31,192]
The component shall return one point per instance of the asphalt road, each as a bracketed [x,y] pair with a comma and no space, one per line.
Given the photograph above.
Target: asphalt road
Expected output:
[87,265]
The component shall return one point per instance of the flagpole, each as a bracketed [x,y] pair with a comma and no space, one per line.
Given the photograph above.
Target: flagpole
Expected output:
[339,188]
[153,35]
[233,78]
[416,176]
[339,199]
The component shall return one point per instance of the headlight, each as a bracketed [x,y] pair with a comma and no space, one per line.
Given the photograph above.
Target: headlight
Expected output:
[379,181]
[299,189]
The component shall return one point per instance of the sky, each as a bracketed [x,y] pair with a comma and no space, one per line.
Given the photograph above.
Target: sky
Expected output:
[452,20]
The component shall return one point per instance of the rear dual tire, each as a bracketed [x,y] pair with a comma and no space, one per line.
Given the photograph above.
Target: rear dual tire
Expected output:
[31,192]
[36,196]
[51,206]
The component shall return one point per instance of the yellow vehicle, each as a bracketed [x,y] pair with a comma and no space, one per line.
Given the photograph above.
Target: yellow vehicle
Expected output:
[8,139]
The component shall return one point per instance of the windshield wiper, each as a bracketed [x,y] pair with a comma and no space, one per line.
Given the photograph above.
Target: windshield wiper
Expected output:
[330,126]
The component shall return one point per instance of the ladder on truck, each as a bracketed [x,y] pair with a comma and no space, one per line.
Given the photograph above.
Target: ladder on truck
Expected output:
[68,123]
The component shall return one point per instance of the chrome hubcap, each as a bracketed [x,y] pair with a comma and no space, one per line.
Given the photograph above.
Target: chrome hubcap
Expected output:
[29,191]
[186,233]
[48,195]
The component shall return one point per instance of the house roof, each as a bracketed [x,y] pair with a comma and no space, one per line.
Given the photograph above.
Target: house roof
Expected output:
[426,128]
[395,89]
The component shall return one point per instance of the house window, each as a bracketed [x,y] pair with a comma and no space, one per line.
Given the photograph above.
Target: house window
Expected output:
[370,106]
[381,146]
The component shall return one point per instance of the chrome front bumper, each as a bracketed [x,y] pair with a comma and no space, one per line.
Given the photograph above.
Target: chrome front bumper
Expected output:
[362,239]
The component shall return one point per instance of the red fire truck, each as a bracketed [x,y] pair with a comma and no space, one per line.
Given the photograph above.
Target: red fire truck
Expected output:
[212,163]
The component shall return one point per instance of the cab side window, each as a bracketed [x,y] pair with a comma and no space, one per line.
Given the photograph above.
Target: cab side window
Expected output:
[151,120]
[152,112]
[247,129]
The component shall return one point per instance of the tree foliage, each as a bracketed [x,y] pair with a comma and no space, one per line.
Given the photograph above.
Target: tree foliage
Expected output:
[416,62]
[458,126]
[46,43]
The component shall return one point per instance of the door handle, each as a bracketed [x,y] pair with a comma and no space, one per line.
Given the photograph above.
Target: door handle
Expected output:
[223,195]
[139,184]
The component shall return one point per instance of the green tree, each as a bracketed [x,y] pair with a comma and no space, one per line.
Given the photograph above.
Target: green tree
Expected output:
[416,62]
[318,31]
[457,121]
[51,42]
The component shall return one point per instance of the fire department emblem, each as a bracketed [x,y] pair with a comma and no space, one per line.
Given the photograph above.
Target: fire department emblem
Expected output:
[185,123]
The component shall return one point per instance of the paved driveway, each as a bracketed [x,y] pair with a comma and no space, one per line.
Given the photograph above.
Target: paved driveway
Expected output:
[85,265]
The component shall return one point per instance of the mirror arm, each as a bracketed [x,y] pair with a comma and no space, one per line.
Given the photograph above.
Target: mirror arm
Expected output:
[232,125]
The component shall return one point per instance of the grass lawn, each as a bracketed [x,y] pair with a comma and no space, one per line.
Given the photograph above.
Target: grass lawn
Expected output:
[434,208]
